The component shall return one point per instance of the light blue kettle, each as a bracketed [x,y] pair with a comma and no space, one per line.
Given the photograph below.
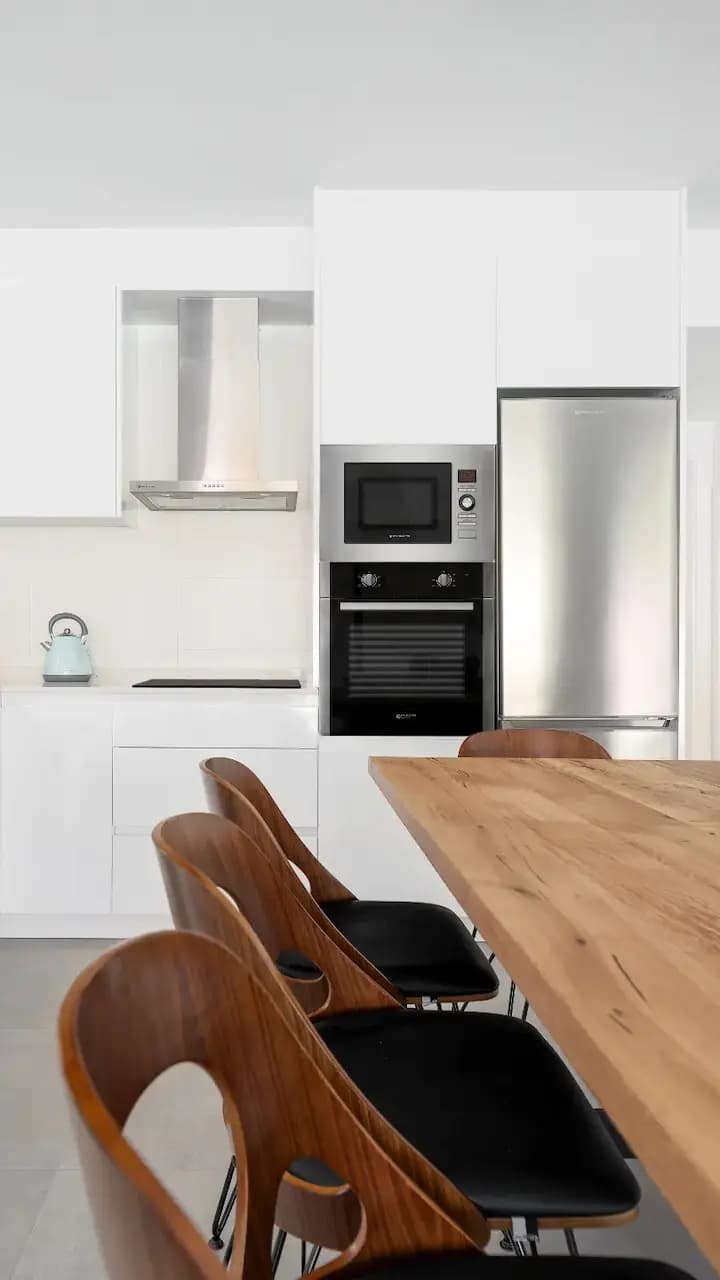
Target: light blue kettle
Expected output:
[67,658]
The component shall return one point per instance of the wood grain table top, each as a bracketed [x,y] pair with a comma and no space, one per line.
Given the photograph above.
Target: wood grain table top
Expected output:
[598,885]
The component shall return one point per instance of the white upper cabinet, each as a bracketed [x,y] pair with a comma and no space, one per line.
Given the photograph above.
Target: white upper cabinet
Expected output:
[58,443]
[583,320]
[406,337]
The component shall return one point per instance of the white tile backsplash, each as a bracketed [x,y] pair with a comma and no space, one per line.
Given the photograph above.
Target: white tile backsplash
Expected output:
[194,589]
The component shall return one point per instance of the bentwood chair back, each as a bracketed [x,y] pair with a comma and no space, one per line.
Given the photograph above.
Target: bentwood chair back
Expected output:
[232,790]
[417,950]
[142,1008]
[212,901]
[545,744]
[491,1103]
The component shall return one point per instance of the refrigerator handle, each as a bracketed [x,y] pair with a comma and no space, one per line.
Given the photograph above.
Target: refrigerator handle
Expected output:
[589,722]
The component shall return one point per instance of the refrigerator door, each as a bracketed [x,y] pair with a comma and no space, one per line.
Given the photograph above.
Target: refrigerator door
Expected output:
[588,557]
[649,739]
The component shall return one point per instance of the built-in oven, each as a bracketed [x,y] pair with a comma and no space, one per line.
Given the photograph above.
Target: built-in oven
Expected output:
[407,648]
[401,503]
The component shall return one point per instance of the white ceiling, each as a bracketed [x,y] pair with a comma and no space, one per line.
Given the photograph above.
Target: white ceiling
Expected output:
[230,111]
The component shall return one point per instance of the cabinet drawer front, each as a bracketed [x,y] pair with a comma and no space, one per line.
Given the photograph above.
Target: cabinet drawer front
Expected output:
[150,719]
[151,784]
[137,883]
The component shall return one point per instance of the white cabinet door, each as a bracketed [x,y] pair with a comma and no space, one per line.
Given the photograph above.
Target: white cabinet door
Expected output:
[580,321]
[56,804]
[152,784]
[407,343]
[58,452]
[360,838]
[138,888]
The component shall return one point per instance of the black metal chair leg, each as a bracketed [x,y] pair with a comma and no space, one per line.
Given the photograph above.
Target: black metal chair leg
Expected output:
[303,1257]
[526,1008]
[229,1250]
[313,1258]
[571,1243]
[473,935]
[219,1220]
[511,1000]
[277,1249]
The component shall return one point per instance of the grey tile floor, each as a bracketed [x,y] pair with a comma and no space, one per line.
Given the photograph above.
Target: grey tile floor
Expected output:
[45,1227]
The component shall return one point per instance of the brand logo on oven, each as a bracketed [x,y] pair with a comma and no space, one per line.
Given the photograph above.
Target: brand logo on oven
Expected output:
[398,537]
[405,715]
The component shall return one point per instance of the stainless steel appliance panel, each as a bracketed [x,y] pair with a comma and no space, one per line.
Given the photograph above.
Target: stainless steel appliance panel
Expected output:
[650,739]
[588,557]
[462,548]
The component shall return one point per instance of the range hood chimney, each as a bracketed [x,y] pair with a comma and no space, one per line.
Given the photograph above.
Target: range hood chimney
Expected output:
[218,415]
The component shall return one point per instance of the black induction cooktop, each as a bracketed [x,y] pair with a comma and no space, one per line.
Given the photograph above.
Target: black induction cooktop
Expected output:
[224,682]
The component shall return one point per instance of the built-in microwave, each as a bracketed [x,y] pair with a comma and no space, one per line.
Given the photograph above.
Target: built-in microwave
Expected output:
[407,503]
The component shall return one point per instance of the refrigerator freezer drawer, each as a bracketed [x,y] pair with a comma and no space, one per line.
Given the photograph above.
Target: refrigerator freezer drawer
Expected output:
[653,739]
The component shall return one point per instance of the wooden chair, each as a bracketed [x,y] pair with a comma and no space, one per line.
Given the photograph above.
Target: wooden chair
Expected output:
[418,950]
[143,1007]
[493,1107]
[543,744]
[530,744]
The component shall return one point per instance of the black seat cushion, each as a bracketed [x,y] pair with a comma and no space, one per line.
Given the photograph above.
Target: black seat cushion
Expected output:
[473,1266]
[491,1104]
[425,950]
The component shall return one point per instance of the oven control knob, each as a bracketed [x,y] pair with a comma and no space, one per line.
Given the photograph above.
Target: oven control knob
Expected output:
[369,579]
[467,501]
[444,579]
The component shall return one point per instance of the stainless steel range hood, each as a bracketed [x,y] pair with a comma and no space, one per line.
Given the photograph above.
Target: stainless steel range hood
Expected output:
[218,415]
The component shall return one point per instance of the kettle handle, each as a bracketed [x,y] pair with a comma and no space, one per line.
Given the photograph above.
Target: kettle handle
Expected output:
[71,617]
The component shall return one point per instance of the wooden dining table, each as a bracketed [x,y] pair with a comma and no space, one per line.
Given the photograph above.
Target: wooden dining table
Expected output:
[597,883]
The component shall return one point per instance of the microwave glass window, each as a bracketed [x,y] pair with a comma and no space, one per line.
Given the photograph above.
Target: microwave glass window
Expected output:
[388,503]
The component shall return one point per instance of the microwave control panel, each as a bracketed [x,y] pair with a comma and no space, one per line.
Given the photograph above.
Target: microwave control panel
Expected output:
[466,506]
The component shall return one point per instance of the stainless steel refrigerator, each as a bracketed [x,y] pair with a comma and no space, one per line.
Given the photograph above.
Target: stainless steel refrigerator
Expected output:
[588,557]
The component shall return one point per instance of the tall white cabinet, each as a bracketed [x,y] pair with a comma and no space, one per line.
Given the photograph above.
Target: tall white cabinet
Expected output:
[605,319]
[58,438]
[406,334]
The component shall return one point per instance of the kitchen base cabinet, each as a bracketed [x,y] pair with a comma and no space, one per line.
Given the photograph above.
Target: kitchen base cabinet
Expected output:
[360,839]
[56,804]
[77,812]
[137,885]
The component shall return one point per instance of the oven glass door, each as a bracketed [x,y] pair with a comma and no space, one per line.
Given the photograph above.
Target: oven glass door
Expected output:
[398,502]
[408,667]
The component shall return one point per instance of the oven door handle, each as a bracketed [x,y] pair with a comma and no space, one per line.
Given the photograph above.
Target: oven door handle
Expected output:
[406,606]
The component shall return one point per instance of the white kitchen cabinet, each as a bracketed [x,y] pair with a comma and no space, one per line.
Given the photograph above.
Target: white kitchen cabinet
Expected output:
[56,803]
[360,838]
[407,342]
[138,888]
[576,320]
[58,436]
[151,784]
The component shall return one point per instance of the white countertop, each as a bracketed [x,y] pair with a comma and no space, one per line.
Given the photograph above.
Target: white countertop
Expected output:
[117,681]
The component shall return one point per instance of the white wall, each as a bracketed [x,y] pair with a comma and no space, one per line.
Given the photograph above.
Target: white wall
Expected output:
[188,590]
[702,551]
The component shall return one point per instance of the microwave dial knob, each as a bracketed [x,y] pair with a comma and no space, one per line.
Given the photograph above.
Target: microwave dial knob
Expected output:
[467,501]
[369,579]
[444,579]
